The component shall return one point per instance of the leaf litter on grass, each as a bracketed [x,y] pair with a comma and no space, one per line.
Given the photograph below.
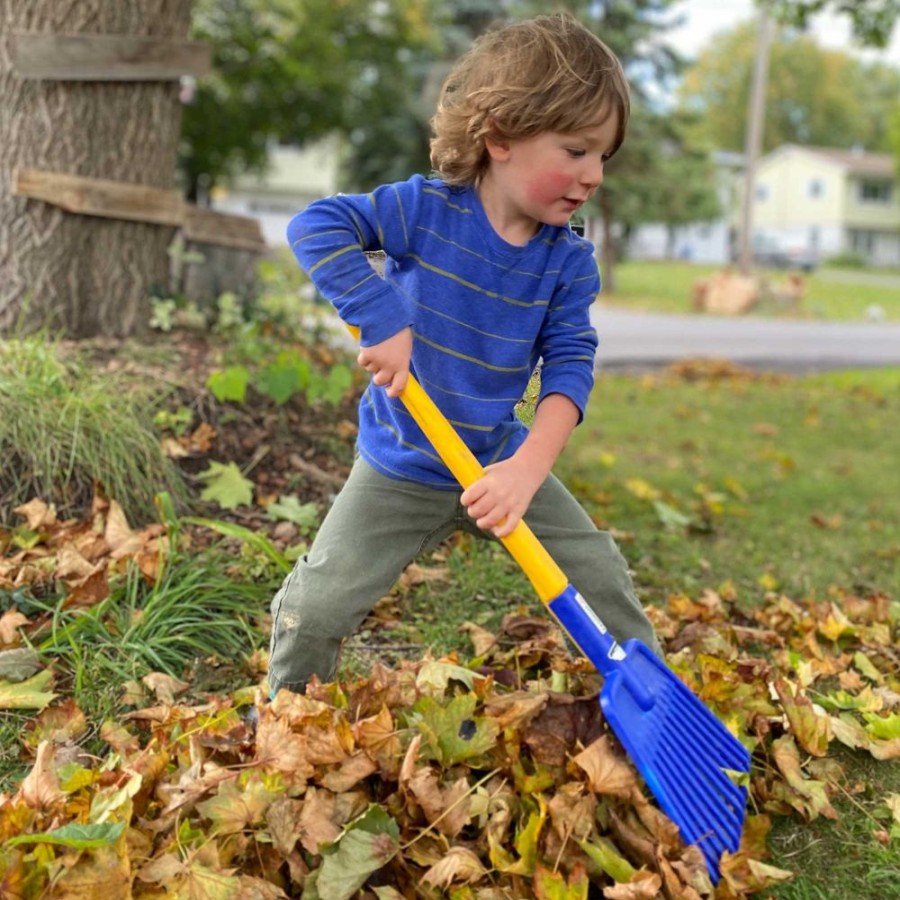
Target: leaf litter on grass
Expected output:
[482,778]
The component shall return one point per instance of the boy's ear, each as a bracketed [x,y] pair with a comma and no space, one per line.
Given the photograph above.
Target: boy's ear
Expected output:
[497,149]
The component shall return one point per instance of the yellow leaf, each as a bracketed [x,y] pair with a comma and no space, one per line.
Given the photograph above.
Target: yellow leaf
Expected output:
[641,489]
[812,730]
[28,694]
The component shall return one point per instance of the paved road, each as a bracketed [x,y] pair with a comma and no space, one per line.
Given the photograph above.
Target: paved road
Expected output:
[634,339]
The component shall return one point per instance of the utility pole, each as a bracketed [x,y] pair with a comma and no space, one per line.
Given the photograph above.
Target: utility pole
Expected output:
[756,115]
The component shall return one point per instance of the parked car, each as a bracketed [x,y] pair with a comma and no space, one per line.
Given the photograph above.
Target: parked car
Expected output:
[773,254]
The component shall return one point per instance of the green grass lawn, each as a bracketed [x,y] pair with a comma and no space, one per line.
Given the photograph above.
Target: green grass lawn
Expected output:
[770,483]
[755,484]
[831,294]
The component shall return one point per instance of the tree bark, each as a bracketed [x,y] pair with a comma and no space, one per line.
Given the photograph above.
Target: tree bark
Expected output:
[73,274]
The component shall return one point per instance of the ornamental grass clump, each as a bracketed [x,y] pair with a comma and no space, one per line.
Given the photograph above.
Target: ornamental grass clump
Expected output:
[64,429]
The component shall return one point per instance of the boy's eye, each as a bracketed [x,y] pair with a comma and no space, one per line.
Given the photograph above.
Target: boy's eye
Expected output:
[575,152]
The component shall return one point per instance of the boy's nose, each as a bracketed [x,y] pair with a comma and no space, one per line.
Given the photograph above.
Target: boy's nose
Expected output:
[592,173]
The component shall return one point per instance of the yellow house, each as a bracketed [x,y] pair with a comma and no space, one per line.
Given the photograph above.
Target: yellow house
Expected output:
[823,202]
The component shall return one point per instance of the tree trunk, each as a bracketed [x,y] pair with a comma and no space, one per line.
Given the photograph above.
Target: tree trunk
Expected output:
[75,274]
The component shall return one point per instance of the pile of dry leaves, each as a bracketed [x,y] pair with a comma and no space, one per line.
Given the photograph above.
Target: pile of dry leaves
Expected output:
[479,779]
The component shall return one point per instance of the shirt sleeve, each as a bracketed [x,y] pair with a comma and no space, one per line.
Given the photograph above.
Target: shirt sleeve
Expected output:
[568,341]
[329,239]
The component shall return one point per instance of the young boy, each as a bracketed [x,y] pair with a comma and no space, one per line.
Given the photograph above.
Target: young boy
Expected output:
[483,278]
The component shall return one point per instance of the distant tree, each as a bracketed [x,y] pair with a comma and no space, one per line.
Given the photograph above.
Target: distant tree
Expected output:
[293,71]
[660,175]
[814,96]
[873,21]
[894,138]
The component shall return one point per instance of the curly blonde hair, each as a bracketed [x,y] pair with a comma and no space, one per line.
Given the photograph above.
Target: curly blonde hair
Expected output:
[549,73]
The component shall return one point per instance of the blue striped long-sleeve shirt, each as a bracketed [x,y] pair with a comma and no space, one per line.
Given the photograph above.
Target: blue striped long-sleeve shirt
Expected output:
[482,311]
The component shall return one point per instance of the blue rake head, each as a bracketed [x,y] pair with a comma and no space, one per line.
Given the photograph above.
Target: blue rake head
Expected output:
[681,749]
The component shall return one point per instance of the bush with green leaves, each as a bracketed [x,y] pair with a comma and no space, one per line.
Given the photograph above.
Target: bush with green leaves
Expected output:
[64,429]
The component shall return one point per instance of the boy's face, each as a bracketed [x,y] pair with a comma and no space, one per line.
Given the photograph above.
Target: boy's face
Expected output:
[546,178]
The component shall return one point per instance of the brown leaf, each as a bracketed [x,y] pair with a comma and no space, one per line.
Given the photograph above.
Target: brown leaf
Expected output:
[607,771]
[40,787]
[379,738]
[283,819]
[104,872]
[349,772]
[72,567]
[482,639]
[37,514]
[565,721]
[121,539]
[812,730]
[806,795]
[517,708]
[319,823]
[10,623]
[165,686]
[459,866]
[644,886]
[278,747]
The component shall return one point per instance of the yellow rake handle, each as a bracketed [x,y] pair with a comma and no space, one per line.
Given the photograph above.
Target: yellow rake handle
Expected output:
[545,575]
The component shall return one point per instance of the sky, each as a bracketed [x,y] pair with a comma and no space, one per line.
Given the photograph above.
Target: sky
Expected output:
[703,18]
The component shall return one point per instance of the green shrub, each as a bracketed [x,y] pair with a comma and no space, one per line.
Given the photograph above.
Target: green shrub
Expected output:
[846,260]
[64,429]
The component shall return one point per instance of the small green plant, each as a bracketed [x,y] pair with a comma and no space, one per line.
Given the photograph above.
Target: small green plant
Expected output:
[288,375]
[64,429]
[195,611]
[162,317]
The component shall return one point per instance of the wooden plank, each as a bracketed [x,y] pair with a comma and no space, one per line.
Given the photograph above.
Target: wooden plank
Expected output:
[138,203]
[99,197]
[207,226]
[106,57]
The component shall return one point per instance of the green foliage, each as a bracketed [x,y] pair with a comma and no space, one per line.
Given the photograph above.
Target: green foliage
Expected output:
[65,428]
[226,485]
[289,509]
[814,96]
[294,72]
[194,610]
[660,174]
[289,375]
[873,21]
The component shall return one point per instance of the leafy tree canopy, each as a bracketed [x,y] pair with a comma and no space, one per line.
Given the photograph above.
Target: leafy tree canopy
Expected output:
[873,21]
[814,96]
[294,71]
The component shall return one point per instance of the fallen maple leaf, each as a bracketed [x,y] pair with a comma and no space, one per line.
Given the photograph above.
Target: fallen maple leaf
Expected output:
[607,772]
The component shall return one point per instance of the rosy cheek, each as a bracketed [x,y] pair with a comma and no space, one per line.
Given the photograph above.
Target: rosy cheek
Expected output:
[548,186]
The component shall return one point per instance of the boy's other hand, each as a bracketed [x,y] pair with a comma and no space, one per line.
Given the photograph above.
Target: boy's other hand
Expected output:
[389,361]
[499,499]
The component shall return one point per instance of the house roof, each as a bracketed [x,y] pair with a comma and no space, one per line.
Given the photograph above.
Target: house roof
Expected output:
[878,165]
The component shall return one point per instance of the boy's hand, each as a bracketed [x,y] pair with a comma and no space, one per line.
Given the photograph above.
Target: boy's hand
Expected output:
[499,499]
[389,361]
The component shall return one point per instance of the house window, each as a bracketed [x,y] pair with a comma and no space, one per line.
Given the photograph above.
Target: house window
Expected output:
[875,191]
[816,188]
[762,193]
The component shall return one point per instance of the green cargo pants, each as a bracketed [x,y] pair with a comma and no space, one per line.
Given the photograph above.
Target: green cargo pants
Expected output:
[377,525]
